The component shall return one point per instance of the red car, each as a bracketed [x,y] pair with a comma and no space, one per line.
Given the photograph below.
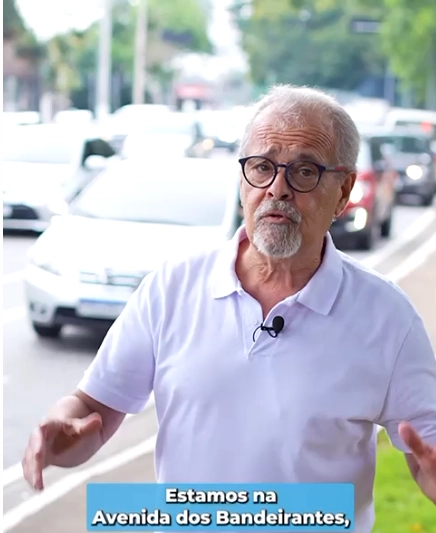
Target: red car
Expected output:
[368,215]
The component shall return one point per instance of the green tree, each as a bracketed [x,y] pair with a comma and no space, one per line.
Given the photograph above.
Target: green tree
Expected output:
[12,22]
[407,34]
[62,54]
[15,30]
[178,18]
[183,16]
[315,47]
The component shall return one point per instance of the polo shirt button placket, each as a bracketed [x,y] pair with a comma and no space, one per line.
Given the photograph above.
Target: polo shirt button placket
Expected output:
[250,325]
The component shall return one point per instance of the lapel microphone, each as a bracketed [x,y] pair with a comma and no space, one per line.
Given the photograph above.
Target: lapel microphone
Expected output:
[278,324]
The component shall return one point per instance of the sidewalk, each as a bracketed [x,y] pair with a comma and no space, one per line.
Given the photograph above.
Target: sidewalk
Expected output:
[68,515]
[421,288]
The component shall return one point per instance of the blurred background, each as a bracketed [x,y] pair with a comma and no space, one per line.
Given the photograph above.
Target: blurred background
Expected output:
[121,124]
[99,55]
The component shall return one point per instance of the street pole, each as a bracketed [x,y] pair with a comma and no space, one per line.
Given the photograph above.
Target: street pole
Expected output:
[139,67]
[389,82]
[431,78]
[104,69]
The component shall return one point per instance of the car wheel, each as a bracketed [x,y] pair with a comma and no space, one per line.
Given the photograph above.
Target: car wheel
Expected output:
[367,239]
[386,226]
[47,332]
[427,200]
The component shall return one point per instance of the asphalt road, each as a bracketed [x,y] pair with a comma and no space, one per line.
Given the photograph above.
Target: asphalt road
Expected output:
[37,372]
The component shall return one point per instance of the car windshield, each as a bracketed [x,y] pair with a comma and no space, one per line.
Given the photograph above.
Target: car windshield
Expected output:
[168,124]
[407,144]
[180,193]
[427,127]
[214,127]
[144,111]
[363,160]
[28,144]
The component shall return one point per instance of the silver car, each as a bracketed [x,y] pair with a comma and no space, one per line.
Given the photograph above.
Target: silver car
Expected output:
[177,132]
[131,218]
[44,166]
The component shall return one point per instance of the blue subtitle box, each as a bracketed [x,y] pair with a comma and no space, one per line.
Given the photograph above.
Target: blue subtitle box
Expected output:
[217,507]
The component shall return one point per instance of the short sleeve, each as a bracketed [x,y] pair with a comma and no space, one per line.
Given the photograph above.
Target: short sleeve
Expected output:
[411,395]
[122,373]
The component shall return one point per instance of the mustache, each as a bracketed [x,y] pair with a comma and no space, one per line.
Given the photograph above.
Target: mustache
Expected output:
[277,205]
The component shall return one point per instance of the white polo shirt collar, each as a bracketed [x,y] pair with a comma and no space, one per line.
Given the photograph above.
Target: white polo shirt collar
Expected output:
[319,294]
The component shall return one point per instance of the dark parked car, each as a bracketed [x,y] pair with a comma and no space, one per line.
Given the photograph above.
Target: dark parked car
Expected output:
[411,153]
[368,215]
[221,128]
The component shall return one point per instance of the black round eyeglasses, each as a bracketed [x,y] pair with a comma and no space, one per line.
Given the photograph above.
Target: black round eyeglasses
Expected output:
[301,176]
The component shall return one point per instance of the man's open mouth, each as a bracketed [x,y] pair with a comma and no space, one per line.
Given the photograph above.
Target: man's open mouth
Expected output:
[277,215]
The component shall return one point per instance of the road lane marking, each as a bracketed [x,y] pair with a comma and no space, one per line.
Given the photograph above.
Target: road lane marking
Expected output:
[70,481]
[414,261]
[18,275]
[418,227]
[64,486]
[13,314]
[14,472]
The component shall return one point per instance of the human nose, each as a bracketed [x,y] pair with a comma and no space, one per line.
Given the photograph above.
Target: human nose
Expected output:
[279,188]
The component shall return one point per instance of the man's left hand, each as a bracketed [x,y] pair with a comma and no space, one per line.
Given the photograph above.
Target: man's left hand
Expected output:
[424,456]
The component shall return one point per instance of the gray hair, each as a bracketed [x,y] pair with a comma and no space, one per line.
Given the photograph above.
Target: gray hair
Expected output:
[290,104]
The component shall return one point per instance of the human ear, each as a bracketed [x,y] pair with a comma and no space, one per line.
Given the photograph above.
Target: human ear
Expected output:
[347,185]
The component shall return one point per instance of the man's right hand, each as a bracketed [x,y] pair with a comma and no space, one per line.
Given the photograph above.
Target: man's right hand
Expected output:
[52,438]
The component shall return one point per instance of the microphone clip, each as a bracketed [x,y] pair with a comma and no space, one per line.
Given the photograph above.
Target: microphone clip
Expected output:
[278,324]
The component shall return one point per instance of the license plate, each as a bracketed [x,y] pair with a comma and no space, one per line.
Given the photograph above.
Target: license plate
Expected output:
[100,309]
[7,211]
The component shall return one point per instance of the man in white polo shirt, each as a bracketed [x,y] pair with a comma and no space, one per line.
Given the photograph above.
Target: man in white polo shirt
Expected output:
[274,357]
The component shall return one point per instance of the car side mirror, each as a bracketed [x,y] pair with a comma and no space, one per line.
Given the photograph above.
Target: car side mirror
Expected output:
[388,150]
[380,166]
[96,162]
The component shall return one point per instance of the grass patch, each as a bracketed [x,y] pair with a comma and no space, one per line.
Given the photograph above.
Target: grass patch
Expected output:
[400,506]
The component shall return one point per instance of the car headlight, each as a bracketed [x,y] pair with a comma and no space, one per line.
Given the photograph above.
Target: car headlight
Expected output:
[415,172]
[359,191]
[49,266]
[58,207]
[55,266]
[208,144]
